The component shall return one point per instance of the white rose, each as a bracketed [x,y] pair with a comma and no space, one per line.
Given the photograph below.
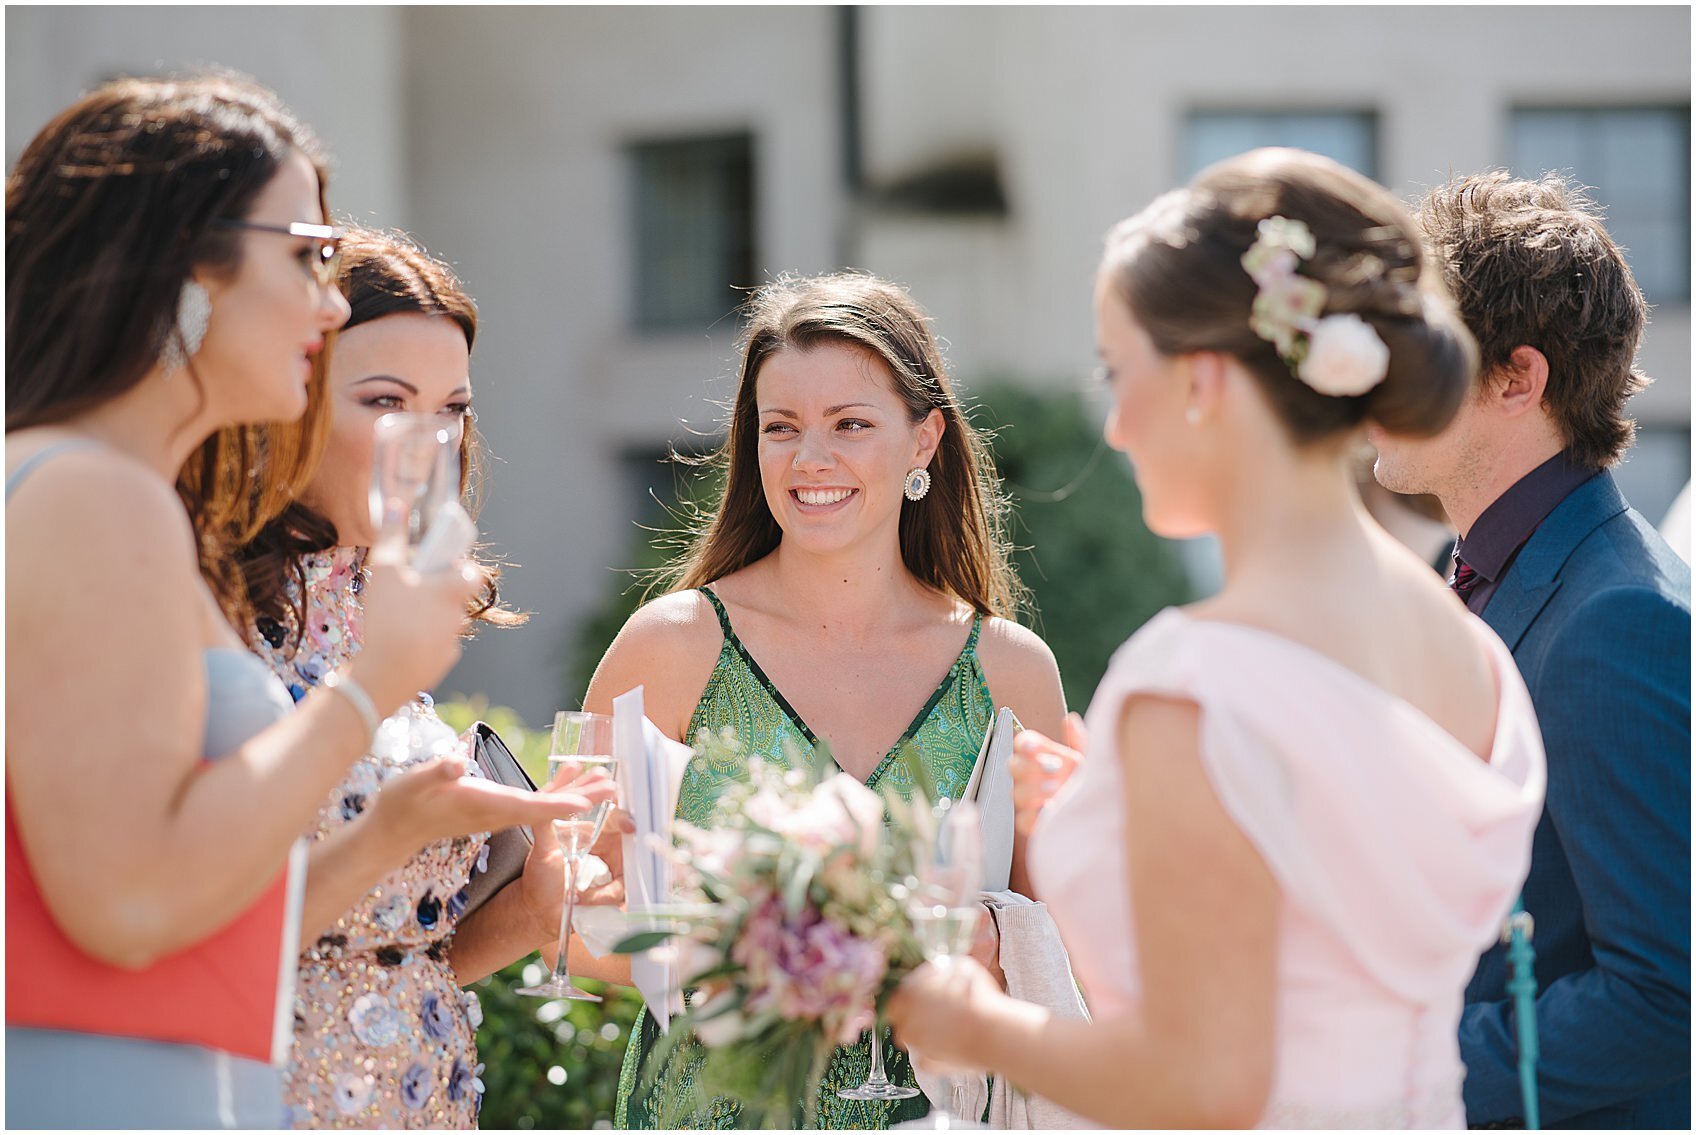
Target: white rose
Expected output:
[1345,356]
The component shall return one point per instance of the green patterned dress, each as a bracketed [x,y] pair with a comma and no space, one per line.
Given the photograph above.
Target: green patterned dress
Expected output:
[947,733]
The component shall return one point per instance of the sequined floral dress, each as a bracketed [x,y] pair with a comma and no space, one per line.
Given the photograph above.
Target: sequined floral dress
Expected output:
[947,734]
[383,1034]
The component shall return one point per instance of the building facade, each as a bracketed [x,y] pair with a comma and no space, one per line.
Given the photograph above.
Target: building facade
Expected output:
[605,178]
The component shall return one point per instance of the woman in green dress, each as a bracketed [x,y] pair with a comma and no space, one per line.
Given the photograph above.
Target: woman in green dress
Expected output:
[852,586]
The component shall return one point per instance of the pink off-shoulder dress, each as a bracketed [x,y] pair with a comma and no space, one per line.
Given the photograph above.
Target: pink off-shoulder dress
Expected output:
[1397,852]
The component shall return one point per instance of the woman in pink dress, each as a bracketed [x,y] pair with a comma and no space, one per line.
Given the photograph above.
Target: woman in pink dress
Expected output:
[1306,804]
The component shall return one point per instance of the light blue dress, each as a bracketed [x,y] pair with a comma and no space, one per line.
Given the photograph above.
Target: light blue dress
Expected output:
[58,1079]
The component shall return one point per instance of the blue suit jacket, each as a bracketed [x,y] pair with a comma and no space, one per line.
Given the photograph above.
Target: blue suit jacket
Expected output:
[1596,609]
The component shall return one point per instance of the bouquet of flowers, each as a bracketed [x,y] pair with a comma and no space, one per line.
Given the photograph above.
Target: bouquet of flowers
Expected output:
[796,929]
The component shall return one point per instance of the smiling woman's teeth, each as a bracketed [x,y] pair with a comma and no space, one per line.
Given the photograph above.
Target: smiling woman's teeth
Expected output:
[822,496]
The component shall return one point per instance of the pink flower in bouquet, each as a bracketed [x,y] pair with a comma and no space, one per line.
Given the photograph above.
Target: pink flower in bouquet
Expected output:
[840,812]
[809,968]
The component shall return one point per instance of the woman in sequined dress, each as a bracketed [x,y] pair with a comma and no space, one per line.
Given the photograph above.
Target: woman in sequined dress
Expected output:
[384,1034]
[857,555]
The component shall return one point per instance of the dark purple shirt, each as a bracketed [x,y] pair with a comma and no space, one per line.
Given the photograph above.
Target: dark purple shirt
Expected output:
[1502,529]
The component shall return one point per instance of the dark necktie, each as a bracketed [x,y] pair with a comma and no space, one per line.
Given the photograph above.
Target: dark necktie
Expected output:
[1464,579]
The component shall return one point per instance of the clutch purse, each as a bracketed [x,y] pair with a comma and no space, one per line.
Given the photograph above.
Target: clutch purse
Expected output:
[509,847]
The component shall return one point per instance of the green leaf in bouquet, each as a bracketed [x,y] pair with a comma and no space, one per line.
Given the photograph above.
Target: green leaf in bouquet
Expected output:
[799,882]
[726,968]
[814,769]
[924,786]
[645,940]
[729,1003]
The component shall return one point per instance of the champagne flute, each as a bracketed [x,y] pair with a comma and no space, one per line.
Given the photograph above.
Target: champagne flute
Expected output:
[414,472]
[878,1085]
[584,739]
[943,905]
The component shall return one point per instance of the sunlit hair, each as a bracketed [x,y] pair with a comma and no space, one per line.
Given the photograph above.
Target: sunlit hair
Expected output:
[382,273]
[1531,264]
[1178,268]
[952,540]
[109,210]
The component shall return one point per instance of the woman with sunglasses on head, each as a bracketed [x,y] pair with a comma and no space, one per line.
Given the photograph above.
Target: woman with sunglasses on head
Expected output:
[1306,804]
[169,273]
[384,949]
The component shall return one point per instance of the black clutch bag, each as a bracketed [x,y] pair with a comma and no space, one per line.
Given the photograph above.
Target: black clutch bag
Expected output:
[509,847]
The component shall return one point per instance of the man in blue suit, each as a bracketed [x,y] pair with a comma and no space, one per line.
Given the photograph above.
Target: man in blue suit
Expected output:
[1596,609]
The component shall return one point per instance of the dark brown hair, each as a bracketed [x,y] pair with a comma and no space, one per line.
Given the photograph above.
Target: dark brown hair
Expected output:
[108,211]
[382,273]
[1531,265]
[953,539]
[1178,266]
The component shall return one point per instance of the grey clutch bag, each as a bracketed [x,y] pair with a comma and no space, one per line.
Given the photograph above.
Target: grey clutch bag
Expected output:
[509,847]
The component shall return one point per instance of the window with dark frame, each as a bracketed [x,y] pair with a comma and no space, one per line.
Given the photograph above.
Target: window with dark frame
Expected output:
[1636,162]
[694,238]
[1347,136]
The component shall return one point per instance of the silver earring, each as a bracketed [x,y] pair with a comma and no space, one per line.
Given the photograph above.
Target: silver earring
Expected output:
[918,484]
[188,330]
[1193,415]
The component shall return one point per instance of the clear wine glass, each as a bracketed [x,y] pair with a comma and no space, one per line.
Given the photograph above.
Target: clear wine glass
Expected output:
[942,901]
[414,472]
[584,739]
[878,1086]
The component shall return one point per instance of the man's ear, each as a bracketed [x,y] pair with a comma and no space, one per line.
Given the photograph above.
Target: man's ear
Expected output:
[1517,387]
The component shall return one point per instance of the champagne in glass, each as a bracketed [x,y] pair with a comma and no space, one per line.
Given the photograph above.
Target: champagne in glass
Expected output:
[585,740]
[943,905]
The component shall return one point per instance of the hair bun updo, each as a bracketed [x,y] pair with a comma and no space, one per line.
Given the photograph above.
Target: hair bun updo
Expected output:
[1178,267]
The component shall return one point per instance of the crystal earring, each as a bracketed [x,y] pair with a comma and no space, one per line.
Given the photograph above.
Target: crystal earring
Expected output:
[188,330]
[918,484]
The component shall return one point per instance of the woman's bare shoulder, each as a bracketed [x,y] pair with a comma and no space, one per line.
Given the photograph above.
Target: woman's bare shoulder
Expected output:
[1007,645]
[669,646]
[93,501]
[1022,673]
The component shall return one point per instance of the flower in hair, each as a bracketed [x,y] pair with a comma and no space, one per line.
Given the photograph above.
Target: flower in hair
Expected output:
[1344,356]
[1338,355]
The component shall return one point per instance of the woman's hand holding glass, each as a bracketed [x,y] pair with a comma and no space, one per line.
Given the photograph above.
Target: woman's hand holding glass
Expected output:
[582,748]
[1041,767]
[543,883]
[935,1013]
[436,800]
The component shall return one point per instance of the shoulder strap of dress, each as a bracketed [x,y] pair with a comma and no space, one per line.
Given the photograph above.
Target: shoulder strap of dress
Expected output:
[972,639]
[723,615]
[34,460]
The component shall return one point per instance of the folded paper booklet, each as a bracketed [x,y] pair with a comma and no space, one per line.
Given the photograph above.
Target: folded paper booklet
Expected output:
[991,787]
[650,775]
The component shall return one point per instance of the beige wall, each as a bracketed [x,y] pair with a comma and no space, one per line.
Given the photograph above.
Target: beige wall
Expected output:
[496,135]
[520,119]
[1085,108]
[337,68]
